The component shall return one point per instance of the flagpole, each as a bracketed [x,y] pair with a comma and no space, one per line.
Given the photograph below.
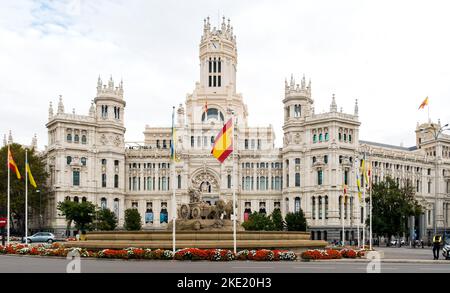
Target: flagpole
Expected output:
[234,190]
[8,201]
[370,211]
[343,213]
[174,203]
[364,201]
[26,195]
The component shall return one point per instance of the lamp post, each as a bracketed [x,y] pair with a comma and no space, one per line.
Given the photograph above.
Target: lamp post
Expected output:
[436,132]
[40,210]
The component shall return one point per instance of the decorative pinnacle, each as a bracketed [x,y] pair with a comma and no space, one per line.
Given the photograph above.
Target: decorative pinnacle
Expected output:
[356,107]
[333,106]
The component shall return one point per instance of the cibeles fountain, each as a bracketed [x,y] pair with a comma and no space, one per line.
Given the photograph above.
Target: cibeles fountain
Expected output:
[200,215]
[201,224]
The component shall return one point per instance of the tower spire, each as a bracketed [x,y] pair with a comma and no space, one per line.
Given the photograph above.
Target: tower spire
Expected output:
[4,140]
[333,106]
[50,111]
[34,142]
[60,105]
[10,138]
[356,108]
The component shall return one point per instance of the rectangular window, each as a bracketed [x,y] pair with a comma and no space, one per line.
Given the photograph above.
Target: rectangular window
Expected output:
[192,141]
[129,183]
[210,81]
[429,186]
[215,66]
[210,66]
[103,180]
[76,178]
[287,180]
[319,177]
[259,144]
[214,81]
[246,144]
[297,179]
[346,177]
[219,65]
[116,181]
[229,181]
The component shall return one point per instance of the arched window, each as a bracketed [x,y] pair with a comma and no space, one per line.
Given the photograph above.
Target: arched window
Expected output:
[326,207]
[69,137]
[83,139]
[345,137]
[320,208]
[320,137]
[212,113]
[69,160]
[212,140]
[313,204]
[83,161]
[350,138]
[76,199]
[67,198]
[297,205]
[103,203]
[313,159]
[325,159]
[179,181]
[83,199]
[76,138]
[340,136]
[116,207]
[314,138]
[327,136]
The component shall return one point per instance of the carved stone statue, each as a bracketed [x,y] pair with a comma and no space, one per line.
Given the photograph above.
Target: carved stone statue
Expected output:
[200,215]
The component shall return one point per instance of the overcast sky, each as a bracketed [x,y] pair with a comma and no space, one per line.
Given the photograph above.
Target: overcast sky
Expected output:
[388,54]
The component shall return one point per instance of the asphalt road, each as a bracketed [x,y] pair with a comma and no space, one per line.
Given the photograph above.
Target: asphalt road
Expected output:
[26,264]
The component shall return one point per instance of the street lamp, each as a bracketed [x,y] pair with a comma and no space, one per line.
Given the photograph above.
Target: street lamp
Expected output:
[436,132]
[40,210]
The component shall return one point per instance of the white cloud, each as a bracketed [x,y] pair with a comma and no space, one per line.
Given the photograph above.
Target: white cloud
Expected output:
[389,55]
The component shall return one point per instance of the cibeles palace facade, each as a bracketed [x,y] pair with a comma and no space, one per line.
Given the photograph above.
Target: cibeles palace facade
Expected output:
[88,158]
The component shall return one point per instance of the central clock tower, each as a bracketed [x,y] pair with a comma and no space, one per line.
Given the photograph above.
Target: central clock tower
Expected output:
[218,59]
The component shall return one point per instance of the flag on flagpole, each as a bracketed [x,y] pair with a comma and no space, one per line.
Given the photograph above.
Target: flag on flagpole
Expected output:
[174,138]
[369,174]
[344,187]
[358,184]
[12,165]
[205,108]
[424,103]
[223,144]
[30,176]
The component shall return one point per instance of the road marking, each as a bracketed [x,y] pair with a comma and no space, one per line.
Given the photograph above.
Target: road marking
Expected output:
[316,268]
[252,267]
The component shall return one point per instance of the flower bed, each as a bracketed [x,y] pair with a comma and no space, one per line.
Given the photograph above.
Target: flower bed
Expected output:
[331,254]
[193,254]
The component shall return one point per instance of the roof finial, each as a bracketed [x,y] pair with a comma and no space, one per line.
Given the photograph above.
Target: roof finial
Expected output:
[292,80]
[356,108]
[10,138]
[333,106]
[34,142]
[50,111]
[303,82]
[60,105]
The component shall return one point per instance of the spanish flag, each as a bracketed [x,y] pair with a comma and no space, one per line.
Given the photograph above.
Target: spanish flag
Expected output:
[12,164]
[223,144]
[424,103]
[30,176]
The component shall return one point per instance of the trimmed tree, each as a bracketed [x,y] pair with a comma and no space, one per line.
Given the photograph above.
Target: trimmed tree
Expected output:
[277,219]
[82,214]
[106,220]
[296,221]
[132,220]
[258,222]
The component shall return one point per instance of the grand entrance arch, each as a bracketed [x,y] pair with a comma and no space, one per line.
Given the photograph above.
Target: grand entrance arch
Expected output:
[207,181]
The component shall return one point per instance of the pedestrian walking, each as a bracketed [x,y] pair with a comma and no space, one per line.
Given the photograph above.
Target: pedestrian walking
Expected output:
[436,246]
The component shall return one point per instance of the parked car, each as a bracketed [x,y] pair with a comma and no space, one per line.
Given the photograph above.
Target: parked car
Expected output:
[446,251]
[41,237]
[395,242]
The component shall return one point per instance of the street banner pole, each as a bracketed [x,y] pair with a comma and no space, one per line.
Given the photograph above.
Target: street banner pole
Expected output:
[174,202]
[8,216]
[26,196]
[234,189]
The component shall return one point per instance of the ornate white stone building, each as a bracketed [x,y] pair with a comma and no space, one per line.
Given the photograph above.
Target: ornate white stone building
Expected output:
[89,160]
